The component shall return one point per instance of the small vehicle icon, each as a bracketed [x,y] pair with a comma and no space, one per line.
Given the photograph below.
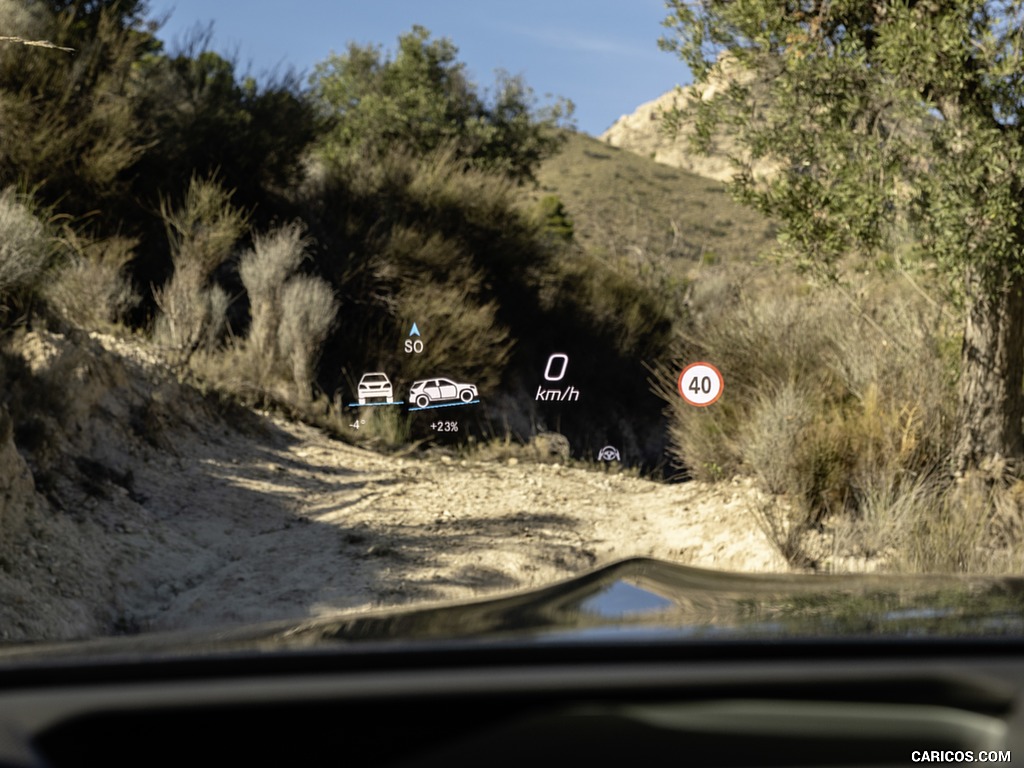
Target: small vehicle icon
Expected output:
[374,386]
[609,453]
[427,392]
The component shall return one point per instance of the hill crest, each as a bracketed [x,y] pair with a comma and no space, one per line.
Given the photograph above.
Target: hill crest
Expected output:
[642,132]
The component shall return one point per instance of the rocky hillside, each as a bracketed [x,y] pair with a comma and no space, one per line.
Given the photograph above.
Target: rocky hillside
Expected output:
[642,132]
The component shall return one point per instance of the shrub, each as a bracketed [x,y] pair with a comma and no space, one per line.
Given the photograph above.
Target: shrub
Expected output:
[196,115]
[555,218]
[421,100]
[26,252]
[264,270]
[950,530]
[769,446]
[829,397]
[786,524]
[291,314]
[92,289]
[308,308]
[202,234]
[466,340]
[66,117]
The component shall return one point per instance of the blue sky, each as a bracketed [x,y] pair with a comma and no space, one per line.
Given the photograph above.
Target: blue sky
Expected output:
[602,54]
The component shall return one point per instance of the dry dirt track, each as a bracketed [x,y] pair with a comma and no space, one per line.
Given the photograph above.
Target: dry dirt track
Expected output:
[298,524]
[156,513]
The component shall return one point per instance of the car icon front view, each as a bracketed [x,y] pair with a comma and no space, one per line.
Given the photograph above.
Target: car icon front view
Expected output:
[427,392]
[374,386]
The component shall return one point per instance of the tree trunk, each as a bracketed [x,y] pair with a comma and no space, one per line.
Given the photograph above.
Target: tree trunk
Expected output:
[991,404]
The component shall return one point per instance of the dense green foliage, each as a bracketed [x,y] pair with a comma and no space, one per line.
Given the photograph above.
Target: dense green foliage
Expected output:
[421,100]
[196,116]
[876,113]
[885,117]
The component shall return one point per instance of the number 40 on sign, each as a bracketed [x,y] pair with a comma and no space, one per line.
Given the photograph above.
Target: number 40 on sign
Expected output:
[700,384]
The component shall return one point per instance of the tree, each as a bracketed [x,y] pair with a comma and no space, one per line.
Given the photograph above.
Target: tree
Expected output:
[878,113]
[67,128]
[422,100]
[197,116]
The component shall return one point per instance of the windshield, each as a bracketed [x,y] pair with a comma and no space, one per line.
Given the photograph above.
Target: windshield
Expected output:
[310,308]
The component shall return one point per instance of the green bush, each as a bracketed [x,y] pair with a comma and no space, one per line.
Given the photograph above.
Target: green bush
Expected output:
[555,218]
[66,117]
[420,101]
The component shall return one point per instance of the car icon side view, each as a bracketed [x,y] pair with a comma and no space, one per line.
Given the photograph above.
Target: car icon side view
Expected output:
[374,386]
[427,392]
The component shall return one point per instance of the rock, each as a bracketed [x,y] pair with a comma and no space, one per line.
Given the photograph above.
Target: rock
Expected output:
[550,446]
[642,132]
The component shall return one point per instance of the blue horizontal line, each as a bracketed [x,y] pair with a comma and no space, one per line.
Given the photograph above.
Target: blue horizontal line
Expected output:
[367,405]
[442,405]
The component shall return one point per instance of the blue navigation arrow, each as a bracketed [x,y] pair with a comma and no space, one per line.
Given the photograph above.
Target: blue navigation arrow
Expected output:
[415,331]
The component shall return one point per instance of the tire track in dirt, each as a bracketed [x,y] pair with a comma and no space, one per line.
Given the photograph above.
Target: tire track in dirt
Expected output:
[303,525]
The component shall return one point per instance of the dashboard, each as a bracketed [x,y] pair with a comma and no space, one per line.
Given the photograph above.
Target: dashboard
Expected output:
[497,704]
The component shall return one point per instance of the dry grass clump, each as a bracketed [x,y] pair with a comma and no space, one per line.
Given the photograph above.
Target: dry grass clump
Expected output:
[386,429]
[291,317]
[971,525]
[92,289]
[26,252]
[308,308]
[202,233]
[841,402]
[273,259]
[928,524]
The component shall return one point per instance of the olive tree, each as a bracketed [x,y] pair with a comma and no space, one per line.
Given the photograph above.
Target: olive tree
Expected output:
[876,113]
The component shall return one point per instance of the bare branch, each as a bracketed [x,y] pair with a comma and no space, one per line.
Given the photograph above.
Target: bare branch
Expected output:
[36,43]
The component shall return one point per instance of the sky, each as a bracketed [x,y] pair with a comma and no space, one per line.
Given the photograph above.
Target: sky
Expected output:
[601,54]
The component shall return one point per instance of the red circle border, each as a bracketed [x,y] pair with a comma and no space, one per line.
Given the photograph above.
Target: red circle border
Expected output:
[721,382]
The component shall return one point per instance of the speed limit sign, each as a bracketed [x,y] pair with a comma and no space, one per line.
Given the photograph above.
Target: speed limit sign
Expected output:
[700,384]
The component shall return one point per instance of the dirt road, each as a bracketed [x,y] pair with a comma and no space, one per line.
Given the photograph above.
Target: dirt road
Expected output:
[212,523]
[299,525]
